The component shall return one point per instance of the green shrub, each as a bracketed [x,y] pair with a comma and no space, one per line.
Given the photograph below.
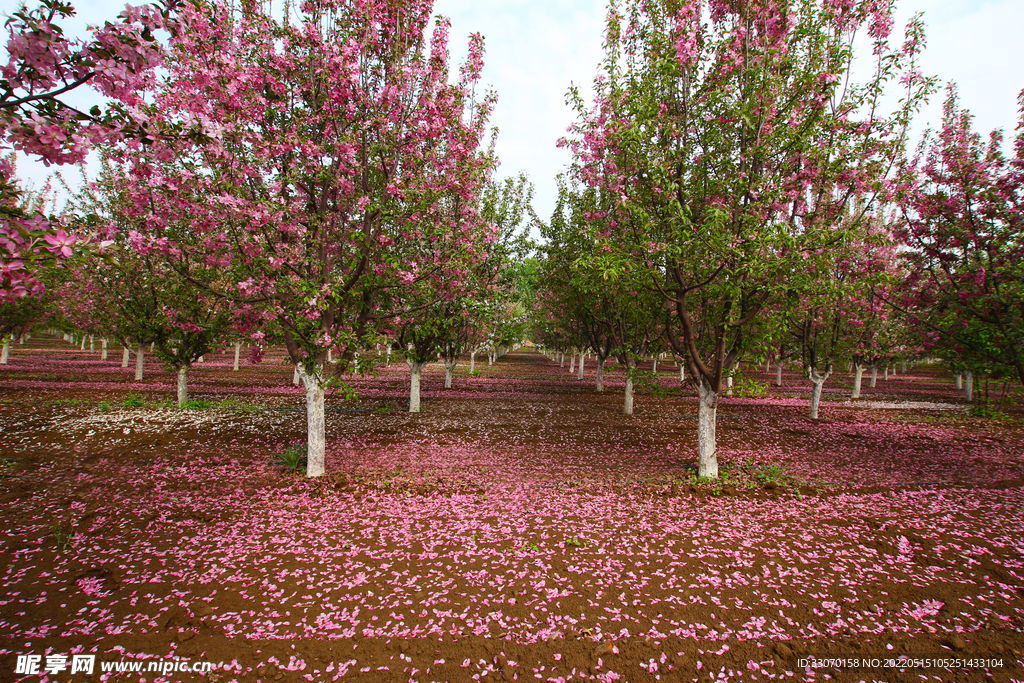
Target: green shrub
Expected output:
[293,458]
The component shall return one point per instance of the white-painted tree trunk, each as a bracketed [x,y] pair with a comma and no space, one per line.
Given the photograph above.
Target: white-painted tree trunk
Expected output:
[904,368]
[778,375]
[472,362]
[202,359]
[579,370]
[874,376]
[706,415]
[92,343]
[316,429]
[139,362]
[238,350]
[125,357]
[682,373]
[561,359]
[296,375]
[599,380]
[655,364]
[490,358]
[414,385]
[858,377]
[886,377]
[959,381]
[103,348]
[728,386]
[627,406]
[152,345]
[82,347]
[388,364]
[182,385]
[818,380]
[330,357]
[6,353]
[449,369]
[572,363]
[969,385]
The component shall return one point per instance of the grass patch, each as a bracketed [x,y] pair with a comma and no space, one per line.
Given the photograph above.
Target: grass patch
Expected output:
[293,458]
[134,401]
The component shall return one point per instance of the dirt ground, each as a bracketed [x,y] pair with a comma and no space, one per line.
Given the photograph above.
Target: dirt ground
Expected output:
[519,528]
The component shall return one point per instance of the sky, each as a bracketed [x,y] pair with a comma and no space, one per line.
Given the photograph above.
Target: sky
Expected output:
[536,49]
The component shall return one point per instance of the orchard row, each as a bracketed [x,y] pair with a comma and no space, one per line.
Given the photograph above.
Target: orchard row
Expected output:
[325,183]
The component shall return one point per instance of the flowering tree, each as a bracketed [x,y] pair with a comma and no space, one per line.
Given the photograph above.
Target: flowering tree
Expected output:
[734,142]
[328,143]
[841,316]
[43,65]
[962,204]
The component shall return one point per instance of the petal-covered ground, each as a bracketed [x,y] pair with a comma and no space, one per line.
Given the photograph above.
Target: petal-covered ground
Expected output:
[520,528]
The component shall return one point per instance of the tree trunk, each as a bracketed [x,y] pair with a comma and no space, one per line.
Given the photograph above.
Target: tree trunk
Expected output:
[599,383]
[103,348]
[5,354]
[627,408]
[706,415]
[472,362]
[682,373]
[182,385]
[818,380]
[330,358]
[414,386]
[125,356]
[728,386]
[92,343]
[969,385]
[858,376]
[561,359]
[874,376]
[886,377]
[572,363]
[139,360]
[778,374]
[388,365]
[449,368]
[959,381]
[238,349]
[316,432]
[655,364]
[579,370]
[296,375]
[82,347]
[904,368]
